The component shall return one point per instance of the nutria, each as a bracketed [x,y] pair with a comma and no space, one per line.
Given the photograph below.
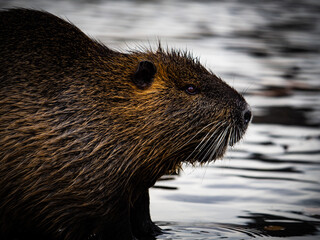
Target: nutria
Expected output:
[86,130]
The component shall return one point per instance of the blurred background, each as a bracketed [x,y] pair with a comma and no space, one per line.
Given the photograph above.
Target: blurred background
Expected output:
[269,183]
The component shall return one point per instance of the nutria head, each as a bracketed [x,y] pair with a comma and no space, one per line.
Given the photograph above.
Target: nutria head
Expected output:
[175,110]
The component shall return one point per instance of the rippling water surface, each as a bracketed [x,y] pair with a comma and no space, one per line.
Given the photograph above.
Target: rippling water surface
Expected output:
[269,184]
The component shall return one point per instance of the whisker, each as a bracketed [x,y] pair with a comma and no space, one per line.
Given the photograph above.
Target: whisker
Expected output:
[212,147]
[207,143]
[213,142]
[229,137]
[219,144]
[198,145]
[197,134]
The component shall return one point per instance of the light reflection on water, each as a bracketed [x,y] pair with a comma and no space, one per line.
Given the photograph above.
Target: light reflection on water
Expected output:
[268,185]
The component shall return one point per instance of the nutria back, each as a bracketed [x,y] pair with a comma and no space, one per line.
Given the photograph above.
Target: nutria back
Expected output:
[85,130]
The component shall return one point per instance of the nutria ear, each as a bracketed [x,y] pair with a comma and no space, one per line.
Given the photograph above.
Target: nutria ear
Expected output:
[143,77]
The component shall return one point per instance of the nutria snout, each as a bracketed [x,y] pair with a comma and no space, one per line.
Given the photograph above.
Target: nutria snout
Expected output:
[85,130]
[247,115]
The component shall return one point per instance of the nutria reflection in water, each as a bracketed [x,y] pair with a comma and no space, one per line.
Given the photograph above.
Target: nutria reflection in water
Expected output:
[85,130]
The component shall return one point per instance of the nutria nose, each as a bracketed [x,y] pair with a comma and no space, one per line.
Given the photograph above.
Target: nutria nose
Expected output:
[247,115]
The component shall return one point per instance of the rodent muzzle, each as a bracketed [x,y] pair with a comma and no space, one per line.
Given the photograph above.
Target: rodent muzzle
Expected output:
[242,118]
[247,115]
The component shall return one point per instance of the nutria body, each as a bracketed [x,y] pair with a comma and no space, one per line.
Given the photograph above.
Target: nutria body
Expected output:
[85,130]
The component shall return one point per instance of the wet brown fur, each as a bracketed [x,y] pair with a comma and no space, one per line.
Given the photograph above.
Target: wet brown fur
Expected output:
[79,141]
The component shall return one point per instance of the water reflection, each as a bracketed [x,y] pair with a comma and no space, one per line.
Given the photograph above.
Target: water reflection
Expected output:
[279,226]
[268,185]
[258,225]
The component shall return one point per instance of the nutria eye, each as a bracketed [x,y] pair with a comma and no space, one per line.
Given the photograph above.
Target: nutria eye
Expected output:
[191,89]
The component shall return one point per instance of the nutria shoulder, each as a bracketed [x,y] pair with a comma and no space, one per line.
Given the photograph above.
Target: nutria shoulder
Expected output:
[86,130]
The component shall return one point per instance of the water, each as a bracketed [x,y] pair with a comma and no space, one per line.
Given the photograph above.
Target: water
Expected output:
[269,184]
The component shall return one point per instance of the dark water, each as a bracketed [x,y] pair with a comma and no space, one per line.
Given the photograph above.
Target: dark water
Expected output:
[269,184]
